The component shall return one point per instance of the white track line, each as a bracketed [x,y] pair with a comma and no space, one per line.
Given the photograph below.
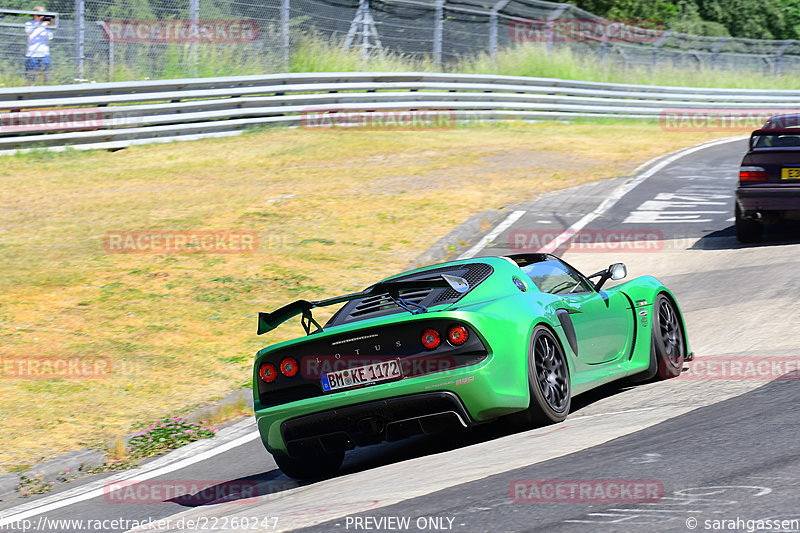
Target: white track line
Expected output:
[510,219]
[98,488]
[624,189]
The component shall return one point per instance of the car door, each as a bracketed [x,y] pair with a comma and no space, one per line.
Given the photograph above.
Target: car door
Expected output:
[602,320]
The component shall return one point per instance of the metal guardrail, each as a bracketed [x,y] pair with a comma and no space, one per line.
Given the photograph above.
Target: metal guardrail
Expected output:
[115,115]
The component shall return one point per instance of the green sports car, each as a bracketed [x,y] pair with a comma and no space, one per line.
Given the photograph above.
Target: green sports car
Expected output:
[454,345]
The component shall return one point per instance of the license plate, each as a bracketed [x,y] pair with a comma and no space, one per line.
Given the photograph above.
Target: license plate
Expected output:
[362,375]
[790,173]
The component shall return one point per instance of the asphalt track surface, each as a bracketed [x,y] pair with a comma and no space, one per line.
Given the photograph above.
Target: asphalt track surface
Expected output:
[719,445]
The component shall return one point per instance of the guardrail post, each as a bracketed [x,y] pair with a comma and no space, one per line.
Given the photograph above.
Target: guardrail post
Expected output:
[80,39]
[624,56]
[110,40]
[779,55]
[285,6]
[194,16]
[657,45]
[493,27]
[438,30]
[550,27]
[770,65]
[493,35]
[715,50]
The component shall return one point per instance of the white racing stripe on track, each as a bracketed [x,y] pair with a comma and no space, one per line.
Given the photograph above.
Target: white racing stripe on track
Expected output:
[624,189]
[489,237]
[240,433]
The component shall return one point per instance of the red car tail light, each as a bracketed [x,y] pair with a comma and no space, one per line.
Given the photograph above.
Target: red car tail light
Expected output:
[289,367]
[752,174]
[431,339]
[267,372]
[458,335]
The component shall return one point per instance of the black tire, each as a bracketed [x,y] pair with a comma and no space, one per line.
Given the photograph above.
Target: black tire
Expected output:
[313,467]
[548,381]
[747,230]
[668,339]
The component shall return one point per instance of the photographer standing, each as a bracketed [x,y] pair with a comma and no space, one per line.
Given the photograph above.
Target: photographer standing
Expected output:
[37,56]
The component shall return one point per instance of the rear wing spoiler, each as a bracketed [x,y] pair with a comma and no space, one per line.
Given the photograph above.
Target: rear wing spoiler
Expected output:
[269,321]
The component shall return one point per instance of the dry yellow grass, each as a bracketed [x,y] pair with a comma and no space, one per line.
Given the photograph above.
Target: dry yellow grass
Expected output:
[334,211]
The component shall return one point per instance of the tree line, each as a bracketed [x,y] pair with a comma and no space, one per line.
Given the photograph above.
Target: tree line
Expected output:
[754,19]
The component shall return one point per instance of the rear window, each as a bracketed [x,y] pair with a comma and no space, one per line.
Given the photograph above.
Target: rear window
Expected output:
[777,141]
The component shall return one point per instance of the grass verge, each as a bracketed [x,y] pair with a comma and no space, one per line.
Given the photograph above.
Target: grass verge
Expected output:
[333,210]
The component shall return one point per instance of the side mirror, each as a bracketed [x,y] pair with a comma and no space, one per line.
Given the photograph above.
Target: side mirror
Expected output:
[615,272]
[618,271]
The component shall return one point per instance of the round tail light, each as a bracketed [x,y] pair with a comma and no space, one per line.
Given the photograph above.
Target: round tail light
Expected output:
[289,367]
[268,372]
[431,339]
[457,335]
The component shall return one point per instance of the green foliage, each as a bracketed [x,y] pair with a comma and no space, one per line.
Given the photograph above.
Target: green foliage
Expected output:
[167,434]
[318,54]
[113,466]
[755,19]
[162,436]
[66,475]
[533,60]
[34,485]
[791,17]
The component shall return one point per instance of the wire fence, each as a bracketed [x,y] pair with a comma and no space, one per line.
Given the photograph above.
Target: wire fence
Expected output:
[101,40]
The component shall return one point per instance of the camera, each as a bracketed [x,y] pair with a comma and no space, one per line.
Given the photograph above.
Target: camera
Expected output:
[47,18]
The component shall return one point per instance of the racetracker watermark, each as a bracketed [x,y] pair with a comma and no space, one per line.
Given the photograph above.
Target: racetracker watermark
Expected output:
[46,524]
[582,30]
[585,490]
[55,367]
[414,119]
[732,368]
[181,31]
[191,492]
[180,242]
[615,241]
[57,119]
[691,120]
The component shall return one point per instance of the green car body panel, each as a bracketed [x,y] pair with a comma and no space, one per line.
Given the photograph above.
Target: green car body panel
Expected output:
[613,330]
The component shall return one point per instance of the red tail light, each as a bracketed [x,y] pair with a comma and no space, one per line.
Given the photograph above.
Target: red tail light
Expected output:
[289,367]
[268,372]
[431,339]
[752,174]
[457,335]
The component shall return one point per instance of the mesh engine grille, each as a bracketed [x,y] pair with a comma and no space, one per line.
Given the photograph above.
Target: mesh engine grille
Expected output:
[381,304]
[476,273]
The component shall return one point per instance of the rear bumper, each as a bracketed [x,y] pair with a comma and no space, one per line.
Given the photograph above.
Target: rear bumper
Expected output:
[493,387]
[374,422]
[768,198]
[483,391]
